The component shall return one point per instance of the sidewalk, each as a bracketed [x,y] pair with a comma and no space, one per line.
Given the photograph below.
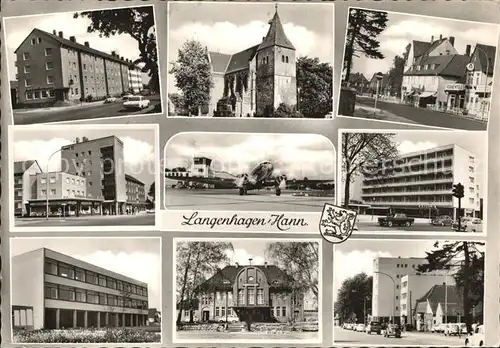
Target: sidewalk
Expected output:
[60,108]
[368,218]
[430,335]
[81,217]
[378,114]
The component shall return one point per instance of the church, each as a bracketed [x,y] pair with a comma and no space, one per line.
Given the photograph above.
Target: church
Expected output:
[257,80]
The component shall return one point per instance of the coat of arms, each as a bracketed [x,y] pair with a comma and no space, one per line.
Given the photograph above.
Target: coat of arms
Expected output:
[337,223]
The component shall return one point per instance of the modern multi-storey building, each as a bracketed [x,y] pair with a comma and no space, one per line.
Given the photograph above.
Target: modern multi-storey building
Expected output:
[266,289]
[135,79]
[421,183]
[59,291]
[53,68]
[23,185]
[136,194]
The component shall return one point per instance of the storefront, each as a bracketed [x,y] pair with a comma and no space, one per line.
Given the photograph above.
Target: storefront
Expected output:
[65,207]
[426,98]
[455,98]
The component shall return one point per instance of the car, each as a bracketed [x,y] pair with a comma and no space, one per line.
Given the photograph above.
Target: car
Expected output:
[229,319]
[396,220]
[475,225]
[109,100]
[476,339]
[463,224]
[463,328]
[452,330]
[127,96]
[393,330]
[374,326]
[136,102]
[360,327]
[443,220]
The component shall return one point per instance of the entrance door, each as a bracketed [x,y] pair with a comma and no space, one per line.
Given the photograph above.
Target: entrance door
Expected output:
[206,316]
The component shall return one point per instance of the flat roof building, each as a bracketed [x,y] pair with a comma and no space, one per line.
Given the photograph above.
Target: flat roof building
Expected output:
[63,292]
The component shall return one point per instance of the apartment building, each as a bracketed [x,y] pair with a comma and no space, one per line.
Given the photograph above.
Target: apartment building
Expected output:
[23,185]
[136,194]
[59,291]
[53,68]
[135,79]
[421,183]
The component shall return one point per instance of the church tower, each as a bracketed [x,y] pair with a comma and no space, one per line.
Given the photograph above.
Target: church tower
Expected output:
[276,80]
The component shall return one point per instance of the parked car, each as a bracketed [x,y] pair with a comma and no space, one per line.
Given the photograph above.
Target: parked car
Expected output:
[109,100]
[374,326]
[360,327]
[463,328]
[463,224]
[230,319]
[452,330]
[393,330]
[396,220]
[127,96]
[136,102]
[476,339]
[443,220]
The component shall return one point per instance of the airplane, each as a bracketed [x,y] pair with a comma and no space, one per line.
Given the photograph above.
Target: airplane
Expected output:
[261,176]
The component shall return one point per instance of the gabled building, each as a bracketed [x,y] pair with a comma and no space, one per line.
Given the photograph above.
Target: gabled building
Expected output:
[24,185]
[359,82]
[383,85]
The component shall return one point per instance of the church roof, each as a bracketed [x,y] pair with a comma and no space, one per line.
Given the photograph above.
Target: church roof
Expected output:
[219,61]
[276,35]
[240,60]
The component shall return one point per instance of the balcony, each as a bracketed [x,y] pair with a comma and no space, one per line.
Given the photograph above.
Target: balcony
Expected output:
[413,203]
[409,183]
[376,178]
[409,193]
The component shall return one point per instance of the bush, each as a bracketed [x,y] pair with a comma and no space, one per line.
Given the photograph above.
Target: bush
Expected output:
[287,111]
[89,98]
[111,335]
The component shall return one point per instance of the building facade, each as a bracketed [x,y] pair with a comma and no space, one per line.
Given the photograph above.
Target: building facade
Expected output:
[24,186]
[421,183]
[64,292]
[53,68]
[136,194]
[135,79]
[256,80]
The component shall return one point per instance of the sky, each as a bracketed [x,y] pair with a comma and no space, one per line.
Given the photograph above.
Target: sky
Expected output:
[18,28]
[137,258]
[295,155]
[400,31]
[233,27]
[139,151]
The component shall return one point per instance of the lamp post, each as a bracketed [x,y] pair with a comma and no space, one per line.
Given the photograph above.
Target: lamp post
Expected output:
[47,182]
[486,74]
[393,291]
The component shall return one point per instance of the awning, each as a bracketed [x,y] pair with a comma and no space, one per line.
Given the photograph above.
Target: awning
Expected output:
[427,94]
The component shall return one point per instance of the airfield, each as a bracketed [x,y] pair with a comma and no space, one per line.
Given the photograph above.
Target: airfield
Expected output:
[255,200]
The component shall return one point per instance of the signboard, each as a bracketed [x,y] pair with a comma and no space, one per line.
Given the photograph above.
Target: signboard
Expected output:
[470,67]
[379,76]
[454,87]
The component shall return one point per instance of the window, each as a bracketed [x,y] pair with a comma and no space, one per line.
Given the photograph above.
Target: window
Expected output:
[283,58]
[51,266]
[66,271]
[102,280]
[223,311]
[397,286]
[112,301]
[90,154]
[79,274]
[52,192]
[91,277]
[102,299]
[111,283]
[80,295]
[92,297]
[48,51]
[44,192]
[119,285]
[28,82]
[217,313]
[50,79]
[26,56]
[34,41]
[286,59]
[260,296]
[397,308]
[49,66]
[85,68]
[66,293]
[278,311]
[52,180]
[250,296]
[397,266]
[241,294]
[45,94]
[37,94]
[27,69]
[283,311]
[51,291]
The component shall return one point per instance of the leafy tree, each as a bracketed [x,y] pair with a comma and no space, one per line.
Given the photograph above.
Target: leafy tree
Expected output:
[354,297]
[193,75]
[315,87]
[468,272]
[362,152]
[152,191]
[286,111]
[396,72]
[195,261]
[363,28]
[300,260]
[179,104]
[137,22]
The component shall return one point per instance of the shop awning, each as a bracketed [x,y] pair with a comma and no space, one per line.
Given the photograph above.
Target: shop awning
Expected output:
[427,94]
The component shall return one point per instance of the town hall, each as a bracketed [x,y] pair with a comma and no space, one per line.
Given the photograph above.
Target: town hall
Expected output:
[258,79]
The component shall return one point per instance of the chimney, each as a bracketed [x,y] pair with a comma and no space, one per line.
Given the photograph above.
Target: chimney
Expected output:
[250,261]
[54,32]
[72,39]
[113,53]
[265,264]
[263,38]
[77,140]
[432,39]
[467,50]
[86,43]
[61,34]
[236,265]
[452,40]
[440,36]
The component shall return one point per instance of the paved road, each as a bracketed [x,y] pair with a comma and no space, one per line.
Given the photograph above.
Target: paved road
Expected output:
[369,226]
[219,336]
[227,199]
[408,339]
[121,220]
[424,116]
[77,113]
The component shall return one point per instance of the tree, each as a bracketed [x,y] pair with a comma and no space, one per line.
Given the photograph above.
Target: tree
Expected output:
[363,28]
[354,297]
[179,104]
[286,111]
[152,192]
[361,152]
[193,75]
[468,272]
[396,72]
[137,22]
[299,260]
[195,261]
[315,87]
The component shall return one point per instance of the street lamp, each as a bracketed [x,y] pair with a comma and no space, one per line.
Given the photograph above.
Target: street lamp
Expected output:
[393,291]
[47,182]
[486,74]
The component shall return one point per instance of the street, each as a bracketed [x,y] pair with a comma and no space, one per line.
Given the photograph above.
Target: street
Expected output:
[424,116]
[411,338]
[79,112]
[420,227]
[108,220]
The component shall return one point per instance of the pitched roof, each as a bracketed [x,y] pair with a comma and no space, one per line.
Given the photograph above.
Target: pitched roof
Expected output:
[131,178]
[446,65]
[78,47]
[240,60]
[420,47]
[276,35]
[219,61]
[21,166]
[439,294]
[490,52]
[358,78]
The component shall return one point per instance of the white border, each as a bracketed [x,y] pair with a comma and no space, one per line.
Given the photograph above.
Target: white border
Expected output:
[279,3]
[156,344]
[254,341]
[424,16]
[117,117]
[111,127]
[438,234]
[441,240]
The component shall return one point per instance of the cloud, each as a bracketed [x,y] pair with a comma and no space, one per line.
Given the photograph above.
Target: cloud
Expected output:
[41,150]
[407,146]
[242,257]
[394,46]
[137,151]
[142,266]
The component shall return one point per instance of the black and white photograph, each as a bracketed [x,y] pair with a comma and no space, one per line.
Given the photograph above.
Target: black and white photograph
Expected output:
[68,176]
[93,64]
[269,60]
[418,293]
[86,290]
[249,172]
[420,70]
[414,181]
[247,290]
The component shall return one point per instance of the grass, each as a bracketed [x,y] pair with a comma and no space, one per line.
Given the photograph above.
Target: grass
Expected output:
[111,335]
